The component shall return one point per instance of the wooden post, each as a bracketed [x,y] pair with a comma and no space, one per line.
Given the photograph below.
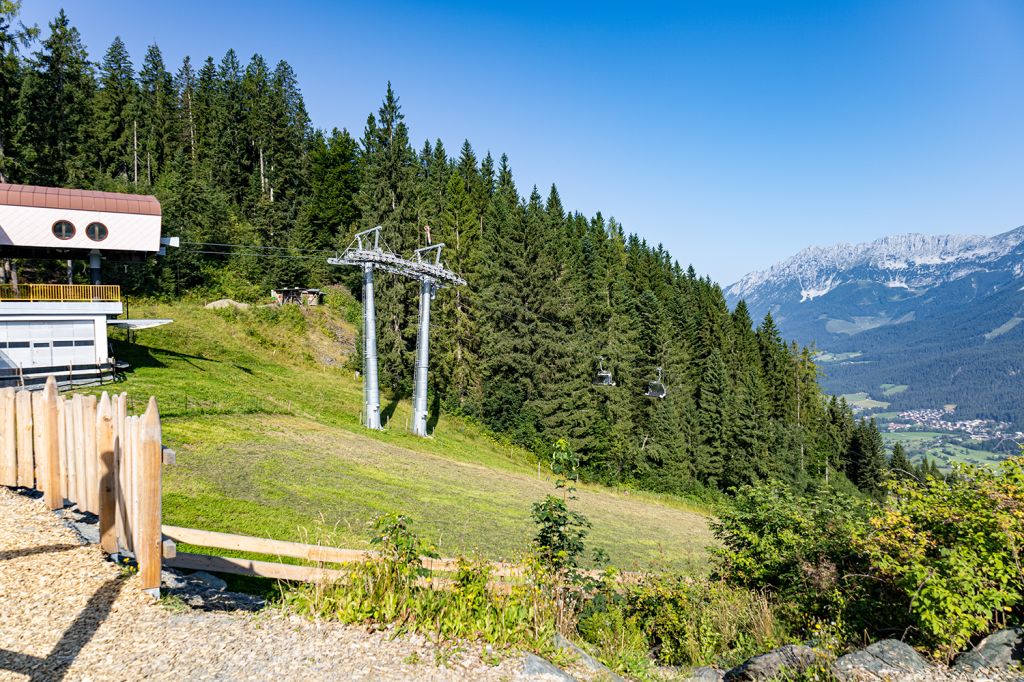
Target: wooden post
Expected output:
[23,402]
[131,499]
[37,439]
[105,444]
[62,446]
[150,548]
[8,438]
[69,444]
[50,453]
[92,469]
[82,475]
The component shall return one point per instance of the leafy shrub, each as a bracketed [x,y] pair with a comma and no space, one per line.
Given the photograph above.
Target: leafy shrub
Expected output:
[952,549]
[799,547]
[617,639]
[395,589]
[701,622]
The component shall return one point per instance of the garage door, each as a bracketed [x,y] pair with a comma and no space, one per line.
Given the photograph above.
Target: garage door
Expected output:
[47,343]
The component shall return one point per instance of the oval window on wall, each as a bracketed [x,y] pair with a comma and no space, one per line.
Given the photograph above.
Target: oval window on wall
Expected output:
[96,232]
[62,229]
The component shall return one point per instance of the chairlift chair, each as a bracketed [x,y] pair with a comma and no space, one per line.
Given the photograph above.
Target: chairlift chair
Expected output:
[603,376]
[656,389]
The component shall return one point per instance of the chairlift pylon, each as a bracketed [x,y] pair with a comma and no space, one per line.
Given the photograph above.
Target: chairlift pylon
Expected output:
[603,376]
[656,388]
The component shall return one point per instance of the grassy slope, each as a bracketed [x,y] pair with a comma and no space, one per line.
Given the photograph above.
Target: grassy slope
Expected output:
[266,424]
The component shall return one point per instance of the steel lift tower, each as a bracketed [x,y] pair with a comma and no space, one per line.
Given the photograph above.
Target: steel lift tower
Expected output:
[432,274]
[369,252]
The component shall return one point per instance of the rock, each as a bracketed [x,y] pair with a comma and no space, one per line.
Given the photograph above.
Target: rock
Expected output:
[226,303]
[996,652]
[210,581]
[536,668]
[706,673]
[586,660]
[172,580]
[792,658]
[888,659]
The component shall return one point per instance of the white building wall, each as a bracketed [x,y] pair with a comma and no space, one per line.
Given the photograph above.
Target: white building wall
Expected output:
[32,226]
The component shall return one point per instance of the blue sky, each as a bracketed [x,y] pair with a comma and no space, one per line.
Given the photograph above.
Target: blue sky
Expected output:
[735,133]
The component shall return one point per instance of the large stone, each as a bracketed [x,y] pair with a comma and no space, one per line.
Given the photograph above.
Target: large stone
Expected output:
[207,581]
[705,674]
[789,659]
[586,660]
[889,659]
[998,651]
[225,303]
[537,668]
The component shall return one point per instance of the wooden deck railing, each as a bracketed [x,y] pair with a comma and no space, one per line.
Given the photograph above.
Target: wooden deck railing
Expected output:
[60,292]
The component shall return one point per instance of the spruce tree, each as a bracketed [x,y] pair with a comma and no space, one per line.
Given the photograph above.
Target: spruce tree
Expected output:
[54,110]
[899,463]
[157,116]
[387,197]
[115,115]
[14,37]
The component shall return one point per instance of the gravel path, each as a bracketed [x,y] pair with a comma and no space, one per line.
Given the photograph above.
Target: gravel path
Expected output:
[66,613]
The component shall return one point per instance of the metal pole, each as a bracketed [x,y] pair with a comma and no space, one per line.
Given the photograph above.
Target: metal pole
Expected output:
[371,392]
[419,389]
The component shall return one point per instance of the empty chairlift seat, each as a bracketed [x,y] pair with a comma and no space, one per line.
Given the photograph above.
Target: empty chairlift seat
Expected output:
[656,388]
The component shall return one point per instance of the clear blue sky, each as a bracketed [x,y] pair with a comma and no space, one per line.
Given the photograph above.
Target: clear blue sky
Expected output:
[733,133]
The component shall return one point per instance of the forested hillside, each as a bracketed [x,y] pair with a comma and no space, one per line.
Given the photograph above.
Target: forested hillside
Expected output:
[260,199]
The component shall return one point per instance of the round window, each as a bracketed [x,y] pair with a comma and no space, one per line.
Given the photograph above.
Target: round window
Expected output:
[62,229]
[96,232]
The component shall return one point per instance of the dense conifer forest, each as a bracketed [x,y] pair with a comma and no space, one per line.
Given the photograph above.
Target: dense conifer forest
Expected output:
[260,198]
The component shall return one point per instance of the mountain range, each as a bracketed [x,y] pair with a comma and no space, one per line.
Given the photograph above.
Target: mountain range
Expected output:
[917,321]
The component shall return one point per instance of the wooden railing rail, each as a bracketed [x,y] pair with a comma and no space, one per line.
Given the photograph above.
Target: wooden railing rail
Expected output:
[294,550]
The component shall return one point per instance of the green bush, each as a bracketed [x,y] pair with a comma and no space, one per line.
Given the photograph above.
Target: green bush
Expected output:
[617,639]
[702,622]
[952,550]
[395,589]
[799,548]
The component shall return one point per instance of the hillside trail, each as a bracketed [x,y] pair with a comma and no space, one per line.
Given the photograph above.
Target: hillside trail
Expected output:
[66,613]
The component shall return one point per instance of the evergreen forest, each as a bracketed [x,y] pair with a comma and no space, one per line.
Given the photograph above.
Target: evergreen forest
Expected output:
[260,199]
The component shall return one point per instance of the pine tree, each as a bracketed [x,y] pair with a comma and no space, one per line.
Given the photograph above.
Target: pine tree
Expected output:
[866,465]
[157,118]
[899,463]
[115,114]
[14,36]
[387,197]
[54,110]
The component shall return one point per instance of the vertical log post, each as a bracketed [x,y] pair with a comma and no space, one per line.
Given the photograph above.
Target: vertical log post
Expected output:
[92,468]
[81,473]
[23,402]
[105,441]
[71,448]
[149,552]
[62,445]
[50,454]
[8,439]
[37,440]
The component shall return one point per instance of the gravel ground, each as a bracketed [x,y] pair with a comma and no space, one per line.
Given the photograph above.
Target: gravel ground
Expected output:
[67,613]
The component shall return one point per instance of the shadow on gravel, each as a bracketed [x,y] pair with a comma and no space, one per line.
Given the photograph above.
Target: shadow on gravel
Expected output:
[55,666]
[29,551]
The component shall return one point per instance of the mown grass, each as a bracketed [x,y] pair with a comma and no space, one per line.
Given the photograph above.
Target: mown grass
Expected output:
[265,419]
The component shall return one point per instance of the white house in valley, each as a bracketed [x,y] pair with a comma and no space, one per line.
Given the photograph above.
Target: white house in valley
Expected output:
[61,329]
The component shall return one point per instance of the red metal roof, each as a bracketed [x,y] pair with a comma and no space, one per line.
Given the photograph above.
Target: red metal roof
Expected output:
[78,199]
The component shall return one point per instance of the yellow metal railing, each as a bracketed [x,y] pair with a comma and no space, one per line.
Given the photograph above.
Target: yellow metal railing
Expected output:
[60,292]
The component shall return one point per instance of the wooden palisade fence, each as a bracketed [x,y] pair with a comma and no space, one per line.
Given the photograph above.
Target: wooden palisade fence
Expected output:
[90,452]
